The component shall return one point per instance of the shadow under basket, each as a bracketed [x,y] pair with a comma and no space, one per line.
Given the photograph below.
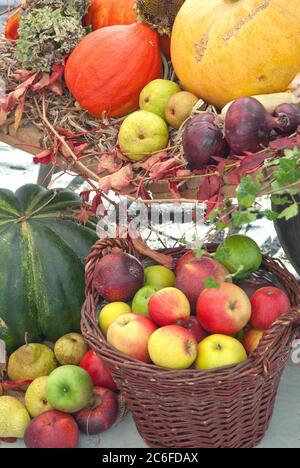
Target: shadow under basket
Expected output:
[225,408]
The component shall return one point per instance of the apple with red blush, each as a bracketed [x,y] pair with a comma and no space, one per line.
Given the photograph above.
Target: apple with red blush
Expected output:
[268,305]
[97,370]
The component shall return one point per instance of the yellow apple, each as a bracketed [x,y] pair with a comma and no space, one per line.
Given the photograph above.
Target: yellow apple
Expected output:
[156,95]
[158,275]
[172,347]
[110,313]
[179,108]
[218,351]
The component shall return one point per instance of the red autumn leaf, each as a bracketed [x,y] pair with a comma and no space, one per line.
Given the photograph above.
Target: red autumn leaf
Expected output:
[212,205]
[97,200]
[109,163]
[23,75]
[65,132]
[163,169]
[144,193]
[283,143]
[45,157]
[78,147]
[204,190]
[42,83]
[233,177]
[83,216]
[183,173]
[148,163]
[85,196]
[7,440]
[117,181]
[252,162]
[10,386]
[174,189]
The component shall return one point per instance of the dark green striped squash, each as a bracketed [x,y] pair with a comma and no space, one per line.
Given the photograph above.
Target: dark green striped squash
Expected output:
[42,255]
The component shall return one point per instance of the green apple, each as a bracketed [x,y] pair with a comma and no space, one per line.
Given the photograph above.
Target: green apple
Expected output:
[35,398]
[156,95]
[160,276]
[141,134]
[240,255]
[179,108]
[70,349]
[141,300]
[69,389]
[218,351]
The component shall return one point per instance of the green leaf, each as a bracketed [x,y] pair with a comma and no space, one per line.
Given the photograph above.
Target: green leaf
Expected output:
[248,191]
[280,200]
[270,215]
[289,212]
[210,283]
[221,225]
[198,253]
[240,218]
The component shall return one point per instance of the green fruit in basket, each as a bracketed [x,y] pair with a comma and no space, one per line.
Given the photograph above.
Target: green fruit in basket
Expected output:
[240,255]
[141,134]
[141,300]
[42,253]
[156,95]
[218,351]
[158,275]
[30,362]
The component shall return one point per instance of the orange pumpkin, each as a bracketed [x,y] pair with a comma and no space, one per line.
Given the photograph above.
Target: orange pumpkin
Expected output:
[11,30]
[110,13]
[108,69]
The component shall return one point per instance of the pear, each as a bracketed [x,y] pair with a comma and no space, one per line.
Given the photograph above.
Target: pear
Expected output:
[14,418]
[141,134]
[156,95]
[70,349]
[179,108]
[35,398]
[31,361]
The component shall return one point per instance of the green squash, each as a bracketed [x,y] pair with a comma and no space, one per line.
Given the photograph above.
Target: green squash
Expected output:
[42,257]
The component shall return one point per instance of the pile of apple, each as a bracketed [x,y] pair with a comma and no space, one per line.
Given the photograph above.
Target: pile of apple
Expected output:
[205,315]
[65,390]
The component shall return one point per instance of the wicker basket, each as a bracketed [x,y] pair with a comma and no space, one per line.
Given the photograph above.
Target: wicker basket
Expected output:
[225,408]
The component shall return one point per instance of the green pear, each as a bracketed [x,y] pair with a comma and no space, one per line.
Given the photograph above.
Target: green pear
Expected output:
[156,95]
[31,361]
[14,418]
[141,134]
[35,398]
[70,349]
[179,108]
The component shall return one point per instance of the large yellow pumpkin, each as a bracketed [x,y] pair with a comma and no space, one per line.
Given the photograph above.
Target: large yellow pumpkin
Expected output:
[225,49]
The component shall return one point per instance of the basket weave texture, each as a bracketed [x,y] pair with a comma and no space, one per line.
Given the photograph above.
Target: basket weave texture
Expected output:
[226,408]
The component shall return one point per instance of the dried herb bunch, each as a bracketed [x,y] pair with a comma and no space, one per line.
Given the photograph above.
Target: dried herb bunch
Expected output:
[160,14]
[49,30]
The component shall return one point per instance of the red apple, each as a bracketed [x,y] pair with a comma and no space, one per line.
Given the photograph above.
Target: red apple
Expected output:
[192,275]
[194,327]
[169,306]
[130,334]
[52,430]
[118,277]
[268,304]
[97,370]
[100,415]
[252,339]
[186,258]
[251,285]
[226,310]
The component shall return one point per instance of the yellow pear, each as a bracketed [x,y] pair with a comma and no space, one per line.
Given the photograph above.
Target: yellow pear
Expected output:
[35,398]
[14,418]
[31,361]
[70,349]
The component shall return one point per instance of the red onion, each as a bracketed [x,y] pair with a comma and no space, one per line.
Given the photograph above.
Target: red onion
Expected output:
[248,126]
[288,118]
[202,139]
